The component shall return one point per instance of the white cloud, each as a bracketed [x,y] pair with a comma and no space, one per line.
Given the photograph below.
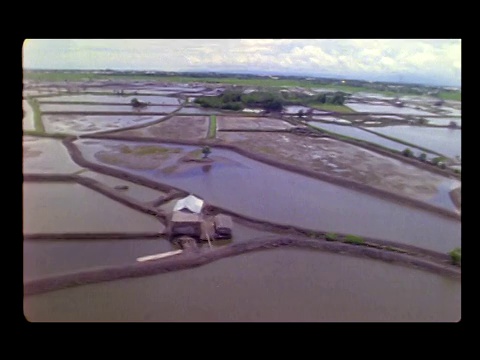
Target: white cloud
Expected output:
[436,59]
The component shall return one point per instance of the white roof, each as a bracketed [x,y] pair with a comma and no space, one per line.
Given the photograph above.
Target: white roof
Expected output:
[191,203]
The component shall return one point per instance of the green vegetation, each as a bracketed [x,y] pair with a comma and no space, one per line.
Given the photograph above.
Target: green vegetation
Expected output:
[439,160]
[407,152]
[423,157]
[273,100]
[333,107]
[450,95]
[148,150]
[37,115]
[212,130]
[354,239]
[456,255]
[266,149]
[331,236]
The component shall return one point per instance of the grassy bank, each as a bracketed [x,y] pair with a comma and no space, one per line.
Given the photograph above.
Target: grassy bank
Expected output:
[333,107]
[37,115]
[212,130]
[447,95]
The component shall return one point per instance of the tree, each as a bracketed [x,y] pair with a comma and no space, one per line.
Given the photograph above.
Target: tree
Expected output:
[206,151]
[452,124]
[423,157]
[407,152]
[300,113]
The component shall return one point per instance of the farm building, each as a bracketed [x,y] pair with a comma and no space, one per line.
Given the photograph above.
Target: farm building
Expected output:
[184,223]
[191,203]
[223,226]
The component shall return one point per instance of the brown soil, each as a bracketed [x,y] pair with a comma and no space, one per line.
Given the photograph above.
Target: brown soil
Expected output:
[251,123]
[185,127]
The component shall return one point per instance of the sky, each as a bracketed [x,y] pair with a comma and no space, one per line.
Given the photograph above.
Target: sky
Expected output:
[424,61]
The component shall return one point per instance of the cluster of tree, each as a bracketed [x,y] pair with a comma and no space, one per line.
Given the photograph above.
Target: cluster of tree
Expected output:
[234,99]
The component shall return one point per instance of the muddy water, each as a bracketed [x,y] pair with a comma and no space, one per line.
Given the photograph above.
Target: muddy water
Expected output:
[358,133]
[48,258]
[387,109]
[106,108]
[42,155]
[28,123]
[159,100]
[443,141]
[135,191]
[262,191]
[273,285]
[70,207]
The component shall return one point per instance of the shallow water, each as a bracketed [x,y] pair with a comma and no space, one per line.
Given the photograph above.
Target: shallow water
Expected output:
[358,133]
[272,285]
[387,109]
[262,191]
[47,258]
[106,108]
[43,155]
[70,207]
[444,121]
[135,191]
[444,141]
[117,99]
[84,124]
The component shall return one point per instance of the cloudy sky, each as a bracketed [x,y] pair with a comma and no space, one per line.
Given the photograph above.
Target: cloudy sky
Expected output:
[436,62]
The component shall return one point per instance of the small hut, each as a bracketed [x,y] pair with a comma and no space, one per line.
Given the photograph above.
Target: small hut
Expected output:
[183,223]
[223,226]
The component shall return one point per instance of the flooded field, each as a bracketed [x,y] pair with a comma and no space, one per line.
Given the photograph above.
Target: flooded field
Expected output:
[358,133]
[332,119]
[111,99]
[84,108]
[28,123]
[288,198]
[444,141]
[43,258]
[134,191]
[294,109]
[76,208]
[273,285]
[192,128]
[386,109]
[43,155]
[84,124]
[251,123]
[444,121]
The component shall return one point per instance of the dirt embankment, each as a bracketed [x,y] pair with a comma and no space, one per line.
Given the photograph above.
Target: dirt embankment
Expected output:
[190,259]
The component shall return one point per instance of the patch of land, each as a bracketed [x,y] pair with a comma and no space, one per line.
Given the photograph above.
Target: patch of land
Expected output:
[251,123]
[177,127]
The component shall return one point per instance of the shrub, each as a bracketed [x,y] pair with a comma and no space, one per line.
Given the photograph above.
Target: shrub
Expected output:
[331,236]
[423,157]
[354,239]
[407,152]
[456,255]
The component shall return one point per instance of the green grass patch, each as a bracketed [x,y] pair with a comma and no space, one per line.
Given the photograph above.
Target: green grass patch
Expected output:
[331,236]
[266,149]
[354,239]
[449,95]
[212,130]
[147,150]
[456,255]
[37,115]
[333,107]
